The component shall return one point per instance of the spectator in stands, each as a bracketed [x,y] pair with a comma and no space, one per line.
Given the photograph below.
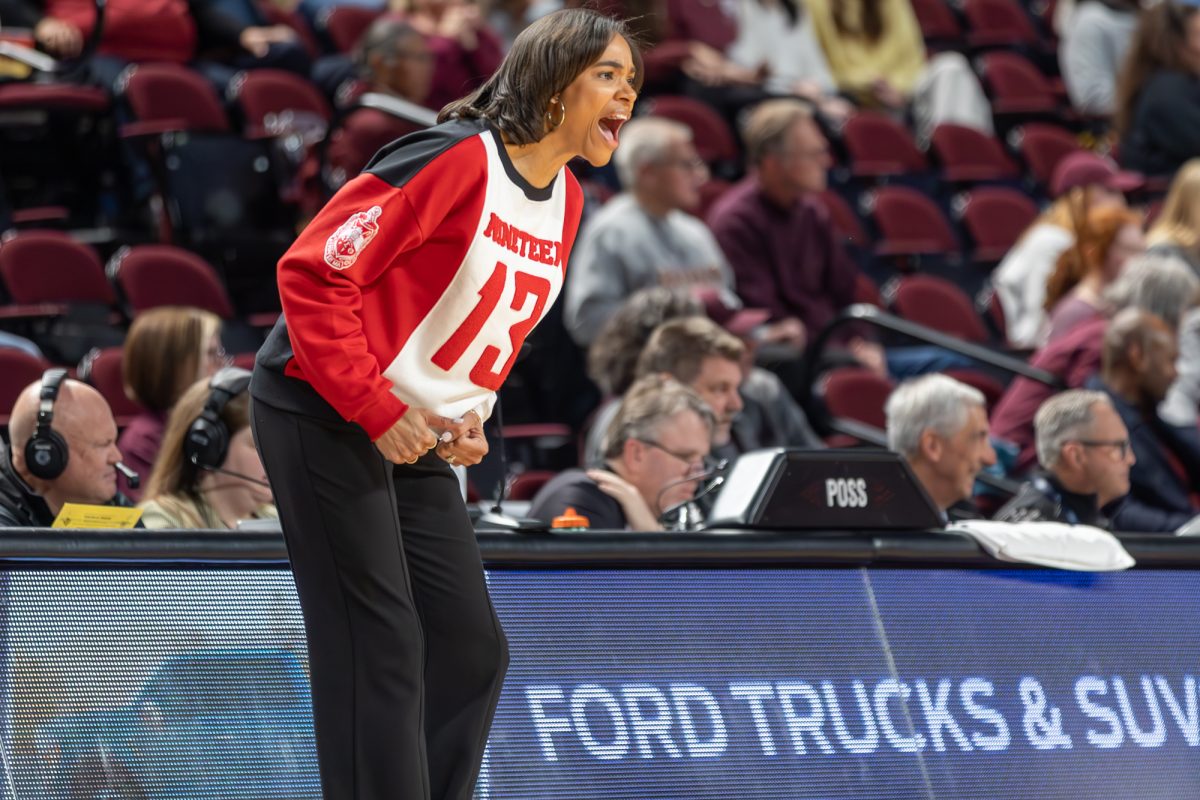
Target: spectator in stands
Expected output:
[208,473]
[646,235]
[465,50]
[1158,94]
[1074,291]
[1082,182]
[658,441]
[83,424]
[1092,50]
[1084,451]
[763,413]
[1160,284]
[1176,231]
[507,18]
[169,30]
[940,427]
[776,41]
[778,236]
[877,54]
[166,351]
[1138,367]
[391,58]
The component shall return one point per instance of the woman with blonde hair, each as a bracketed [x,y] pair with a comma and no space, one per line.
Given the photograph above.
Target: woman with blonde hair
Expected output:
[208,473]
[166,350]
[1177,229]
[1074,291]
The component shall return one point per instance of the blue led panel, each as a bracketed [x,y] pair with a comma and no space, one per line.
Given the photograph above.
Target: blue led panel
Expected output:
[1048,685]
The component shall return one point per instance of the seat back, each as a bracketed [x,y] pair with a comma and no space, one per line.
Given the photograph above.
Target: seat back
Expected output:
[910,223]
[172,93]
[50,267]
[858,394]
[845,222]
[102,369]
[995,218]
[1016,85]
[1042,146]
[360,135]
[153,275]
[266,97]
[937,21]
[939,304]
[345,25]
[969,155]
[999,22]
[18,369]
[879,145]
[712,137]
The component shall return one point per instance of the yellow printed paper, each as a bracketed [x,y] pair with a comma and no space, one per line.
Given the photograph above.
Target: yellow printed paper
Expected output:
[79,515]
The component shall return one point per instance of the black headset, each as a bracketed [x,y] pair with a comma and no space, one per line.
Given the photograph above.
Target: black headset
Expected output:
[46,452]
[207,440]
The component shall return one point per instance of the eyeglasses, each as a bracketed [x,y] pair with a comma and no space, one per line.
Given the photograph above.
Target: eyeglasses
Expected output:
[1123,445]
[690,459]
[694,164]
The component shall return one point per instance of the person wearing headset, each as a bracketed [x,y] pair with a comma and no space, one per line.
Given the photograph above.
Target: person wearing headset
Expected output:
[208,473]
[64,450]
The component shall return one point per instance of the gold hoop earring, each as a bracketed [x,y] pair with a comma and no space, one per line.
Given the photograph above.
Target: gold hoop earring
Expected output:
[562,115]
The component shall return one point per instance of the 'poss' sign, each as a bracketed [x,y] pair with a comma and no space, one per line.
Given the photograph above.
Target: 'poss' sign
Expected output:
[846,492]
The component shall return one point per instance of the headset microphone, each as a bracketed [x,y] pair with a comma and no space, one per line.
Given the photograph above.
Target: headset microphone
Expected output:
[233,474]
[131,477]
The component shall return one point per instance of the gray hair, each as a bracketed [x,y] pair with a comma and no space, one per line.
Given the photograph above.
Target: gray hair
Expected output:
[931,401]
[651,401]
[644,141]
[1064,418]
[1160,283]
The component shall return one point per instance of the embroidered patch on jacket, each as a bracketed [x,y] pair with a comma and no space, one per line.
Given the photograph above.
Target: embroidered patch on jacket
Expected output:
[346,244]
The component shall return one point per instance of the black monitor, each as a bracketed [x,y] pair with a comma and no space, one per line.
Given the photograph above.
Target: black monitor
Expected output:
[794,489]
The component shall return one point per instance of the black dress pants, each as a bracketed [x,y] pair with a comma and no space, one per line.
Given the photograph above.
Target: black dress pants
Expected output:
[406,653]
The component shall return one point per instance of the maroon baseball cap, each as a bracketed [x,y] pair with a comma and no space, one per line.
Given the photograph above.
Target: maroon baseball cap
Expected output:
[1084,168]
[739,321]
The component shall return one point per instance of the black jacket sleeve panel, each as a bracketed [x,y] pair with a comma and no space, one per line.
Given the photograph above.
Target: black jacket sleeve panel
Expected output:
[1170,119]
[21,13]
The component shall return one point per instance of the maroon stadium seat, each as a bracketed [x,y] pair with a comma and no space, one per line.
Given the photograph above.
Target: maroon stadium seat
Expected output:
[359,136]
[845,221]
[50,267]
[345,25]
[909,223]
[18,369]
[995,218]
[1001,23]
[102,369]
[967,155]
[938,23]
[714,141]
[858,394]
[1043,146]
[263,95]
[152,275]
[939,304]
[170,97]
[879,145]
[1017,87]
[526,485]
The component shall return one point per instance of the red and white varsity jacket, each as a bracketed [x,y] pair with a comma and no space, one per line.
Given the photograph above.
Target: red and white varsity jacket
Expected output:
[418,282]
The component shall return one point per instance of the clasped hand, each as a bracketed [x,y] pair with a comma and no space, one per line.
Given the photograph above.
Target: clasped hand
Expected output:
[419,430]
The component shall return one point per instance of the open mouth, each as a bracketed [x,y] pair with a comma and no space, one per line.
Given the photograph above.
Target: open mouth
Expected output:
[610,127]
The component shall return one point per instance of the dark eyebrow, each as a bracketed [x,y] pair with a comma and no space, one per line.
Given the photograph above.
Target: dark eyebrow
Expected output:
[614,64]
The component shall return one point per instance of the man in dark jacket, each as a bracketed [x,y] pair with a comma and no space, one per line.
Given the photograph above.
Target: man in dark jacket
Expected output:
[1085,454]
[84,421]
[1140,351]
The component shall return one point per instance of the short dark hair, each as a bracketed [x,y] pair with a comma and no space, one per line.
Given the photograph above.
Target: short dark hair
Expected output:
[545,58]
[678,347]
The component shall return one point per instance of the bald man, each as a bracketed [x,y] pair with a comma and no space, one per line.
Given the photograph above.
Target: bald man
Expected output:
[85,422]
